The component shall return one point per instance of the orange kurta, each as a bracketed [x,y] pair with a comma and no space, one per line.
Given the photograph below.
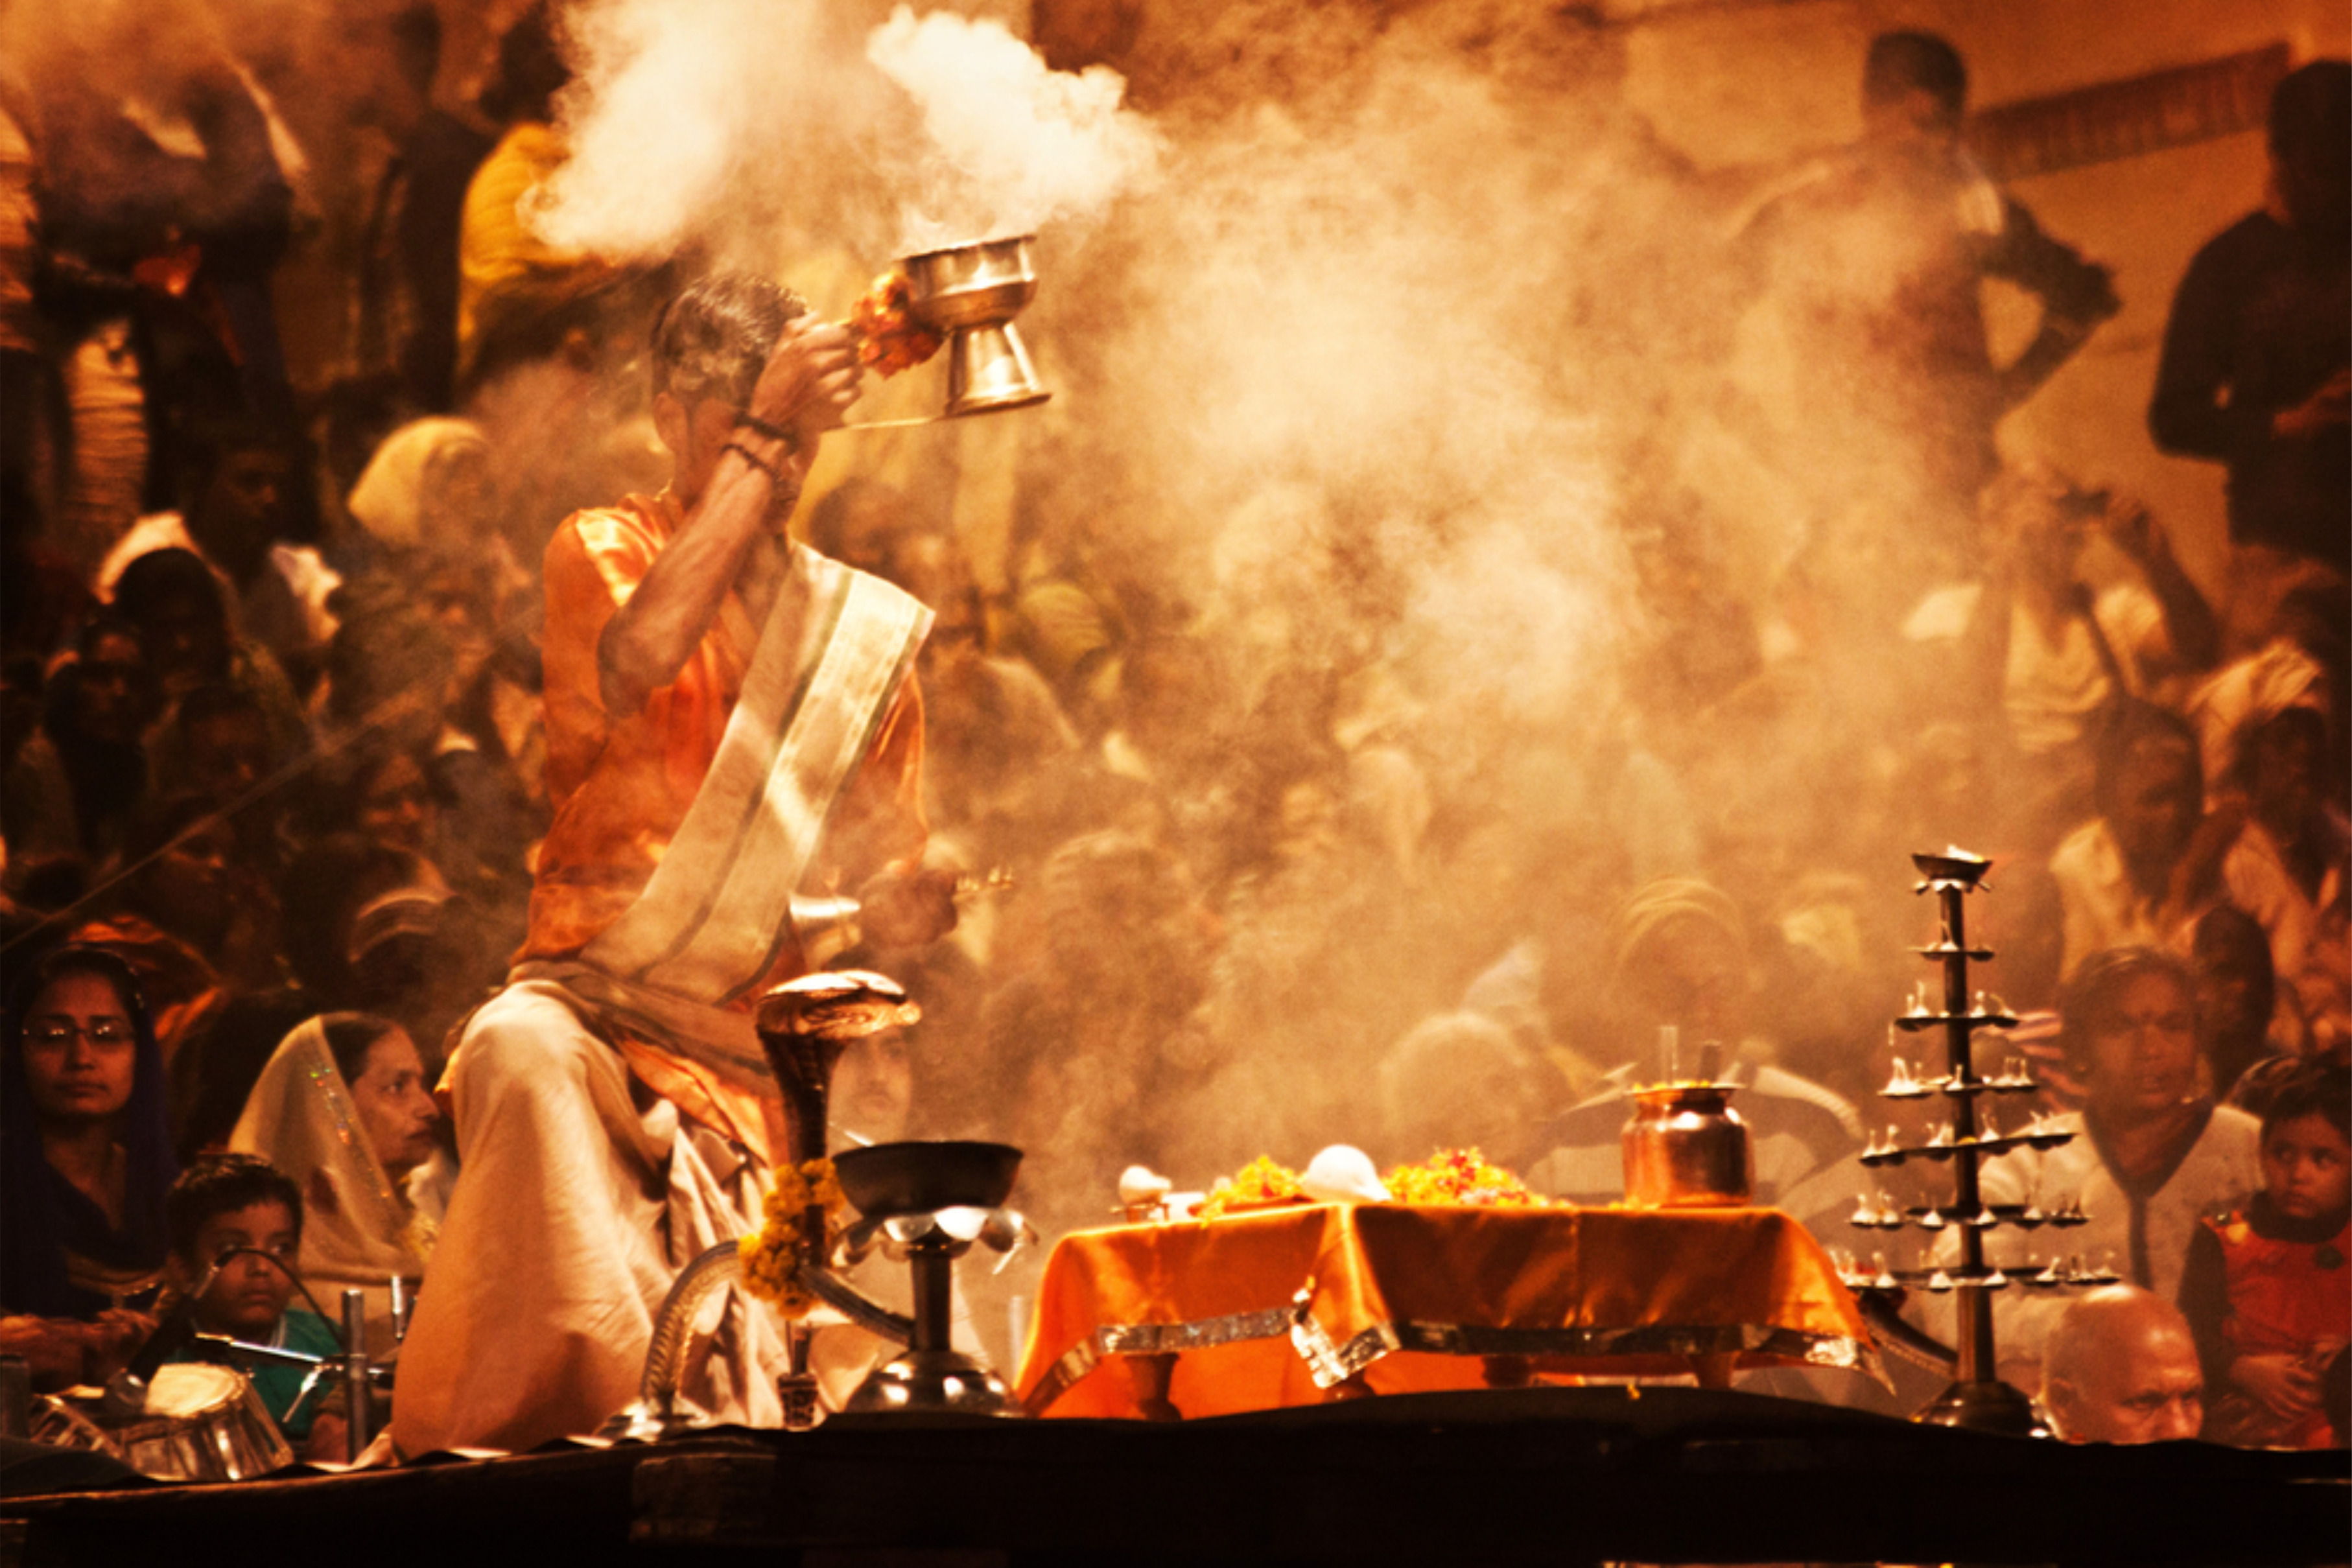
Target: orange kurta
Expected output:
[621,786]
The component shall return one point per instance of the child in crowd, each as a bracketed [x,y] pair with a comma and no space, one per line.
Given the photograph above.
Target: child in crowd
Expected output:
[241,1206]
[2266,1290]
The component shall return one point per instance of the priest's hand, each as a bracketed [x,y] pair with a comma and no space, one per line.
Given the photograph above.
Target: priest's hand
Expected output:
[810,381]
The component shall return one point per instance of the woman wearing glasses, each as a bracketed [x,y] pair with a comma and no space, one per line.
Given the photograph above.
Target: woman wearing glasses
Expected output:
[85,1155]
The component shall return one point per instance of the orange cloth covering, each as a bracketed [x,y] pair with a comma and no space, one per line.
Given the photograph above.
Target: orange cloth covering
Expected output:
[1410,1296]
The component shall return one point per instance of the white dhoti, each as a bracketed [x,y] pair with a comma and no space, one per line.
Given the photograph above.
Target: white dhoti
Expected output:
[584,1196]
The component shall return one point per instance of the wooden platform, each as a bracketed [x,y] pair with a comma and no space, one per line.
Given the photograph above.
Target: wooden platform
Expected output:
[1523,1475]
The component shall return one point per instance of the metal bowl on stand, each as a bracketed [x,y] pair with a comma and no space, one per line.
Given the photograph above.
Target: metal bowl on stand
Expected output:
[972,292]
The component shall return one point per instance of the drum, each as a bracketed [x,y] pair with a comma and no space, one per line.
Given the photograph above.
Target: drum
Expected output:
[201,1424]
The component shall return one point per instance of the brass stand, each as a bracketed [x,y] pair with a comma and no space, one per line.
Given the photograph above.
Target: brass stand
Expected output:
[1976,1398]
[932,1374]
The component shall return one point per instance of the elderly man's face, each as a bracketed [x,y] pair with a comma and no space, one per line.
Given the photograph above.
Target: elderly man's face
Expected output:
[2145,1386]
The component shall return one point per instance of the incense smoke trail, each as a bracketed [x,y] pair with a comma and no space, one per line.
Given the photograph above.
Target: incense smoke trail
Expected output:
[711,119]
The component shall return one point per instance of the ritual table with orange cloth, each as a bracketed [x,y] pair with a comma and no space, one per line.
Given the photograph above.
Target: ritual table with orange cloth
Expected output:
[1285,1305]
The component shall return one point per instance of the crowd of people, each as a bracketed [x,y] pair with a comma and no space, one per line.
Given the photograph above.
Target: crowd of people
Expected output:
[286,785]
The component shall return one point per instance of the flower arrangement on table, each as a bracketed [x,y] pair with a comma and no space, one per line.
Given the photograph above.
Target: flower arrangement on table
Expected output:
[1460,1178]
[772,1255]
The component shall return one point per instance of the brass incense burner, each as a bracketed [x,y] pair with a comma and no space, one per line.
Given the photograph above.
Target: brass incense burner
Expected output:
[971,293]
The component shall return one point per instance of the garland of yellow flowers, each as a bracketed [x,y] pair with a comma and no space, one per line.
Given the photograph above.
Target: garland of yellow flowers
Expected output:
[1461,1176]
[1458,1177]
[771,1255]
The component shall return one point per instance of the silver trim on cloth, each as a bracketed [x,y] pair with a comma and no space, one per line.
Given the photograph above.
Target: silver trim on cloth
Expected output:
[1153,1338]
[1329,1363]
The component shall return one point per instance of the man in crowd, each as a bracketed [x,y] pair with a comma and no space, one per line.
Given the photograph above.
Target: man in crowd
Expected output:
[2120,1368]
[2151,1152]
[2257,366]
[2142,871]
[1876,257]
[237,481]
[729,716]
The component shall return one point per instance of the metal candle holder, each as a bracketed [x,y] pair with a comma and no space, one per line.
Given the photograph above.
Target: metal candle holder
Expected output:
[1977,1397]
[925,1204]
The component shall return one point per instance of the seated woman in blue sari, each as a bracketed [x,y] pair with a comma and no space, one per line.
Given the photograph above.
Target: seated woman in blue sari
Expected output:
[85,1155]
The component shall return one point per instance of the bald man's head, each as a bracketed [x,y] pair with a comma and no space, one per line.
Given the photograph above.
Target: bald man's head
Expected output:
[2121,1368]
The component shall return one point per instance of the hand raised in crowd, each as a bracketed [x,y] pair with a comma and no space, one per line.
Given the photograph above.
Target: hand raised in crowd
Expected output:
[2330,405]
[2198,871]
[811,379]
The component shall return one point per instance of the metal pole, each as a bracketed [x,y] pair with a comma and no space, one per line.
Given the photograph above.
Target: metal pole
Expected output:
[934,1282]
[355,1374]
[1975,1347]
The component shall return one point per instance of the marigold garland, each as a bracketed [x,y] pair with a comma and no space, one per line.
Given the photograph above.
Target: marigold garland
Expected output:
[1262,1181]
[771,1255]
[1461,1176]
[889,339]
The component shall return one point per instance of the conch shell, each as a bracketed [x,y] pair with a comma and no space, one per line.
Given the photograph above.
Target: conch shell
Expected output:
[1342,1174]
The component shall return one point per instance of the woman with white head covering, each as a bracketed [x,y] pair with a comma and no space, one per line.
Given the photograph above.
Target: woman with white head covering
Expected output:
[427,488]
[343,1109]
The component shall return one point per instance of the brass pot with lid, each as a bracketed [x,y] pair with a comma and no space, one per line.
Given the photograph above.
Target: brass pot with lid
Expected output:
[1685,1147]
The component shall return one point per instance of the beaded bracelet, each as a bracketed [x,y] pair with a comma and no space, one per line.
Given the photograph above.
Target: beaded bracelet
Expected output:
[753,422]
[775,476]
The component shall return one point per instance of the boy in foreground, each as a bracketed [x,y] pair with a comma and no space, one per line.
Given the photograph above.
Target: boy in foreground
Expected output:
[241,1211]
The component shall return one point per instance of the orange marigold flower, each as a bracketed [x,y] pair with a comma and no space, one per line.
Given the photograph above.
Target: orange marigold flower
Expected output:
[1461,1176]
[1456,1177]
[1259,1183]
[889,339]
[771,1255]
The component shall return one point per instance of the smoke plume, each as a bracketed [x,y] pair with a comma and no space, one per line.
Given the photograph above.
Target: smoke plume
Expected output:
[1018,146]
[748,124]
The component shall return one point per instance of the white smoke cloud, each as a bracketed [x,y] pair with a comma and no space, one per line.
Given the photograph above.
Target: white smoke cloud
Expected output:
[725,120]
[1019,145]
[612,196]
